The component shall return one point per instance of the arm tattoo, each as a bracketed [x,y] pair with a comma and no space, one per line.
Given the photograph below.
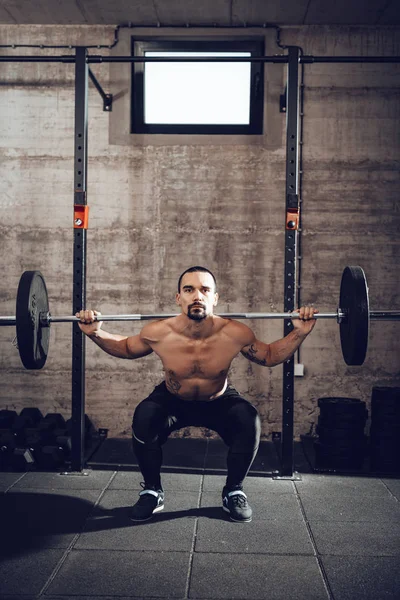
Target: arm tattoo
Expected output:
[173,384]
[251,355]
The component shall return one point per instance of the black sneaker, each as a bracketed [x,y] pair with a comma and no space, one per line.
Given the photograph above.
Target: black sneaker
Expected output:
[235,503]
[150,501]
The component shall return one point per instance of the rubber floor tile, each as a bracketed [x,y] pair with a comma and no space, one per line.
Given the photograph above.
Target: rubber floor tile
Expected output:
[362,577]
[255,577]
[27,572]
[94,480]
[36,519]
[9,479]
[328,485]
[257,537]
[394,486]
[357,538]
[109,526]
[115,573]
[350,508]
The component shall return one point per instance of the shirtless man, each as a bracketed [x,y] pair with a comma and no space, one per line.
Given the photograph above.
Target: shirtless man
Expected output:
[196,349]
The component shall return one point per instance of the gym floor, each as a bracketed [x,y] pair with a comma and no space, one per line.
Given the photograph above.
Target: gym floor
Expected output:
[321,537]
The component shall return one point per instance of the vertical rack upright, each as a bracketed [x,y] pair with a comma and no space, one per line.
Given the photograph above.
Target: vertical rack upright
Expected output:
[291,247]
[79,257]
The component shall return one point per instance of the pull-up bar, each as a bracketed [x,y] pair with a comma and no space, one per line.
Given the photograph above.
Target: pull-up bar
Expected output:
[278,58]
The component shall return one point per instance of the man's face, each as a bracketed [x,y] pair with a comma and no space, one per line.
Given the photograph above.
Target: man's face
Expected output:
[197,296]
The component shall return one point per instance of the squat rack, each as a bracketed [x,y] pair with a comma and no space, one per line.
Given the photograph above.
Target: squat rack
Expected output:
[82,59]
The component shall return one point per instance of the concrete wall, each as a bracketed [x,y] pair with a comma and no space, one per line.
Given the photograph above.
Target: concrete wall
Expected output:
[159,206]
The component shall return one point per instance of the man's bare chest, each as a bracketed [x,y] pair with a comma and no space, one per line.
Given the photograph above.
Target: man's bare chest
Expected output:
[203,359]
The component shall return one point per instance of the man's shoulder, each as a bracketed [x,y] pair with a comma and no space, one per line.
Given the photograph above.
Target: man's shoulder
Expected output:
[155,330]
[238,331]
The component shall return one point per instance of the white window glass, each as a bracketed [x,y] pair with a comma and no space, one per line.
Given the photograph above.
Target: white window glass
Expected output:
[197,93]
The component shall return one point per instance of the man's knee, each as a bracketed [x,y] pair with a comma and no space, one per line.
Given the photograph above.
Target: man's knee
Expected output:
[246,415]
[245,426]
[147,422]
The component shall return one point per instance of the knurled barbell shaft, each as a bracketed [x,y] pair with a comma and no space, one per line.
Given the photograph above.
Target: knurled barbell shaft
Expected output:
[374,315]
[384,315]
[139,317]
[387,315]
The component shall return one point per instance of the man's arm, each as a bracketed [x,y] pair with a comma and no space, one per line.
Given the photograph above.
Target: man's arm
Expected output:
[275,353]
[117,345]
[121,346]
[270,355]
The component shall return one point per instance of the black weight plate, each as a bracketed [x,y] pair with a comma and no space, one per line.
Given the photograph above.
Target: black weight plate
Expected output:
[348,451]
[383,416]
[344,447]
[387,439]
[347,460]
[342,421]
[386,452]
[337,402]
[385,466]
[385,393]
[347,412]
[385,412]
[386,421]
[385,400]
[337,435]
[354,328]
[33,339]
[390,438]
[385,459]
[346,428]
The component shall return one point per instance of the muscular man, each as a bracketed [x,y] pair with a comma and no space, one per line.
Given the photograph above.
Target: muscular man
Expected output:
[196,349]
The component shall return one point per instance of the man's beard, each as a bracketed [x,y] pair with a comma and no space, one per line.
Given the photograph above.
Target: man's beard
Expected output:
[197,316]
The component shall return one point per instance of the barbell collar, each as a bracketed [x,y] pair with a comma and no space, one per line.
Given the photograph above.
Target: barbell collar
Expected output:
[7,321]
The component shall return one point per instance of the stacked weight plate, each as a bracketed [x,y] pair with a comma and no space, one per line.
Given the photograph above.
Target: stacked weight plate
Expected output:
[341,441]
[385,429]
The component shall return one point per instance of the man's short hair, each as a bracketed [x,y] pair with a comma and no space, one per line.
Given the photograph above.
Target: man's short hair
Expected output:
[195,270]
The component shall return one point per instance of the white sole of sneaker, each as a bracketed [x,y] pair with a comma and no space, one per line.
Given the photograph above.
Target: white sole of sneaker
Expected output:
[235,520]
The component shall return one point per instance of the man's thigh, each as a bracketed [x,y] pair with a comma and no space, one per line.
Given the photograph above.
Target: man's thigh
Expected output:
[232,415]
[158,415]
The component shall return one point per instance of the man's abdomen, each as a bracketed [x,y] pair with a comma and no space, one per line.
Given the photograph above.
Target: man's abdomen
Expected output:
[196,389]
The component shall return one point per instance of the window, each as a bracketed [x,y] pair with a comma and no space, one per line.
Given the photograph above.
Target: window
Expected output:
[197,97]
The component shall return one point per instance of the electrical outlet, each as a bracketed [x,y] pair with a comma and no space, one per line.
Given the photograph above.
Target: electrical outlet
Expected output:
[299,370]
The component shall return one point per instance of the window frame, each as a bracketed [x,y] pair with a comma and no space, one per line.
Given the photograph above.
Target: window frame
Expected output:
[254,45]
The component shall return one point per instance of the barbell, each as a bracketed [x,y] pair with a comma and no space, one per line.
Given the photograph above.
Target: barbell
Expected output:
[33,319]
